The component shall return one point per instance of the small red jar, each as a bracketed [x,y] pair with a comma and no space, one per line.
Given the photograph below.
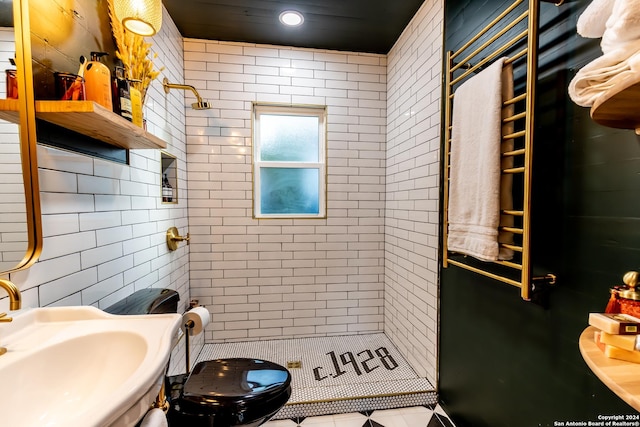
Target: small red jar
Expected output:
[12,84]
[628,296]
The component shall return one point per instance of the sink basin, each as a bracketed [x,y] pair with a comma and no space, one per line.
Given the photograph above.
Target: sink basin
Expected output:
[80,366]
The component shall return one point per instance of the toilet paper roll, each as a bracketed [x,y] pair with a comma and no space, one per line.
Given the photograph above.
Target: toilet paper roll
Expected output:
[200,318]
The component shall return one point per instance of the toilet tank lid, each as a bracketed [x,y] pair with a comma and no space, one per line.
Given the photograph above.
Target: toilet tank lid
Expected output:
[147,301]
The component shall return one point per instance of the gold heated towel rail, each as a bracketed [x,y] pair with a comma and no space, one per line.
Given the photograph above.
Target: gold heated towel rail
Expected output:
[517,39]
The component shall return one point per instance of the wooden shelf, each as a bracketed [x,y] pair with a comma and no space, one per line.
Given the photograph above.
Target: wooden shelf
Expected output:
[9,110]
[623,378]
[618,107]
[87,118]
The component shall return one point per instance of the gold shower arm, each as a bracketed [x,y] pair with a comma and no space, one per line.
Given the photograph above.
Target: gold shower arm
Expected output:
[199,105]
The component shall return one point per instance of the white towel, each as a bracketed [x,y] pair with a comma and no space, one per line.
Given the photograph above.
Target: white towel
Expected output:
[604,73]
[621,55]
[623,26]
[593,20]
[154,418]
[475,175]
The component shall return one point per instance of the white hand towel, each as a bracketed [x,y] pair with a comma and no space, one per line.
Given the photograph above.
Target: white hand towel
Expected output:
[474,190]
[603,73]
[593,21]
[621,55]
[154,418]
[623,26]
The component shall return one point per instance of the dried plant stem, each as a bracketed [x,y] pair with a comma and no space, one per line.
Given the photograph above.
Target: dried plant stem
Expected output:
[134,52]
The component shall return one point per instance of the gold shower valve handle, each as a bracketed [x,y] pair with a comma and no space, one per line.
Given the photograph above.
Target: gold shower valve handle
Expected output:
[173,237]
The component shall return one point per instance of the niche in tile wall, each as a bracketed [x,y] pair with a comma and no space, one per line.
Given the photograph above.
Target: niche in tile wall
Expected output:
[169,178]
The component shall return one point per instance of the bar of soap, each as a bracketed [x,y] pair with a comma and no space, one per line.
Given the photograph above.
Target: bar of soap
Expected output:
[615,324]
[620,354]
[625,342]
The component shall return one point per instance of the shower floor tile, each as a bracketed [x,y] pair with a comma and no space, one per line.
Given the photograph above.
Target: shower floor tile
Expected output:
[337,374]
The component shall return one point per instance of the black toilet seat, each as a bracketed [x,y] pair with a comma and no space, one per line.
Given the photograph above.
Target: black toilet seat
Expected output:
[230,392]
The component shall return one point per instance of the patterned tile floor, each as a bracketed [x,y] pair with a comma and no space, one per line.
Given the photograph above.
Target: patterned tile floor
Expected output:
[344,374]
[417,416]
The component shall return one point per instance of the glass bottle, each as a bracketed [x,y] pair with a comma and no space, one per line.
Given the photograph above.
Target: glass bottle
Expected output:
[167,190]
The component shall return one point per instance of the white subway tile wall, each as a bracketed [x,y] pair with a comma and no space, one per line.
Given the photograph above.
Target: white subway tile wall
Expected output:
[286,278]
[412,206]
[103,222]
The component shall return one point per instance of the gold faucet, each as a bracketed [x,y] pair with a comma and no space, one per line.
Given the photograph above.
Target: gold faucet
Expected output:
[15,299]
[15,302]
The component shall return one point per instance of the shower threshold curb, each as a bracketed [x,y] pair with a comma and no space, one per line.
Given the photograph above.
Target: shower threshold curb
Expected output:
[356,404]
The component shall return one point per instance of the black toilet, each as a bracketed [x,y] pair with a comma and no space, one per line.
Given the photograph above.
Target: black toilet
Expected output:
[228,392]
[235,392]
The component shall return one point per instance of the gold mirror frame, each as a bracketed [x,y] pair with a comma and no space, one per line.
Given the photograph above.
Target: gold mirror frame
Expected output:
[28,140]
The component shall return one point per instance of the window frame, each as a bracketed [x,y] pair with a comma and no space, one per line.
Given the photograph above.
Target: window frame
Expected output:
[320,112]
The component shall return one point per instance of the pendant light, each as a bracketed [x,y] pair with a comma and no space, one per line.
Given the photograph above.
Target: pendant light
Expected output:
[143,17]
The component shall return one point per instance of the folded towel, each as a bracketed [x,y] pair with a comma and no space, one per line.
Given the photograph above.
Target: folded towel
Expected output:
[621,51]
[154,418]
[475,175]
[604,73]
[622,27]
[592,22]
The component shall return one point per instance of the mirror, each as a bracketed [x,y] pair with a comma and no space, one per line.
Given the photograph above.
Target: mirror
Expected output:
[14,239]
[20,224]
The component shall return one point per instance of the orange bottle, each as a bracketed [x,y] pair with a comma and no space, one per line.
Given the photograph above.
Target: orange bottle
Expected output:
[97,81]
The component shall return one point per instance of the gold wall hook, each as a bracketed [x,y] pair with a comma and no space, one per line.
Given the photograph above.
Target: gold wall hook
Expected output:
[173,237]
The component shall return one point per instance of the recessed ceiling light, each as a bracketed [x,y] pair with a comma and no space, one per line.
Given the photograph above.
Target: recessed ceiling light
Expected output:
[291,18]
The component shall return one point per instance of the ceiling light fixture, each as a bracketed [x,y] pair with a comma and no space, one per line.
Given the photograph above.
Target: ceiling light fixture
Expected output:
[143,17]
[291,18]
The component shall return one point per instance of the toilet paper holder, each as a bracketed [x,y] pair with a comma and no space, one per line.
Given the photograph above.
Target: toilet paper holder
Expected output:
[173,237]
[194,320]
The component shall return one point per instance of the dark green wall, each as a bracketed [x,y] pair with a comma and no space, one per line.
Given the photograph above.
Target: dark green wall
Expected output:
[507,362]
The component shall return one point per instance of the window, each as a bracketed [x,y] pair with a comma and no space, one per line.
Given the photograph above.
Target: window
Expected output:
[289,162]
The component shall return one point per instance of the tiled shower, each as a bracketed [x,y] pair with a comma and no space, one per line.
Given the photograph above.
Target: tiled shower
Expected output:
[285,278]
[371,266]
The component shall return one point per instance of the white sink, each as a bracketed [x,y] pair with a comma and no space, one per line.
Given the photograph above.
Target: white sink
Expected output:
[80,366]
